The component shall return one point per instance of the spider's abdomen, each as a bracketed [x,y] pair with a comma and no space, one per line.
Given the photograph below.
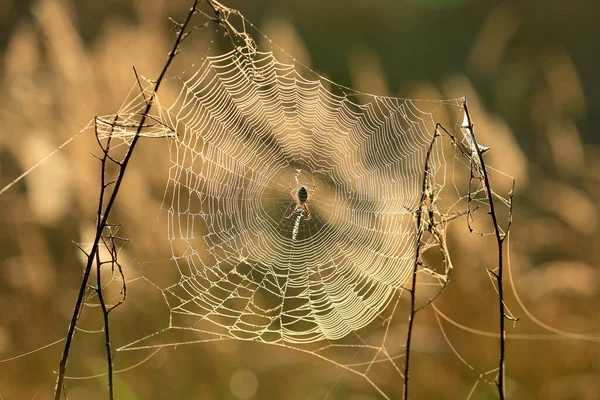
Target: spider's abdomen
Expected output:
[302,194]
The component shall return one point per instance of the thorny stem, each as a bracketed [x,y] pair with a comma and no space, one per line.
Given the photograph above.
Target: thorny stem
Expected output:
[92,256]
[500,241]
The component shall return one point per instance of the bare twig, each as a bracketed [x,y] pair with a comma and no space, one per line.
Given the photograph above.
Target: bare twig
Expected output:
[105,312]
[500,236]
[109,244]
[429,219]
[426,194]
[104,185]
[103,216]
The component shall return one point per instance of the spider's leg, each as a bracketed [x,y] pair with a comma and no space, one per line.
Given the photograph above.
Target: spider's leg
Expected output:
[308,214]
[293,212]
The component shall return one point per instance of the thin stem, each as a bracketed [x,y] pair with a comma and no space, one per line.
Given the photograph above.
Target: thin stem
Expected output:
[104,218]
[500,241]
[425,194]
[107,344]
[109,357]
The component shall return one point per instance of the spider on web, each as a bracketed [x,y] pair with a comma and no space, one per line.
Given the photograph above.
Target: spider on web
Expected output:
[301,196]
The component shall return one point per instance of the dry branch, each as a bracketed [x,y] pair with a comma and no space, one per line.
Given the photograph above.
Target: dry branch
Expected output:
[102,222]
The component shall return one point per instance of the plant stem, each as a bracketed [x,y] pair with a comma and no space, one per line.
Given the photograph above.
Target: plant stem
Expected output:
[500,241]
[425,189]
[103,222]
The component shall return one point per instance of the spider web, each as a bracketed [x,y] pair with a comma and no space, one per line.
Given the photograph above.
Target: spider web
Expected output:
[246,132]
[243,143]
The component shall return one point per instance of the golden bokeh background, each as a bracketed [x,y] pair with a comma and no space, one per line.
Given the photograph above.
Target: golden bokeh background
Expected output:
[528,69]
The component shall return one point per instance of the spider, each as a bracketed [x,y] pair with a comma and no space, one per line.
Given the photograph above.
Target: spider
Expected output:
[302,196]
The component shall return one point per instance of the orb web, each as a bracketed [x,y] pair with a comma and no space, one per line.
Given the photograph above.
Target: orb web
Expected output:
[251,131]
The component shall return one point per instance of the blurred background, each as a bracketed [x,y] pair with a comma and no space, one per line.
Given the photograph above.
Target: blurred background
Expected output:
[529,71]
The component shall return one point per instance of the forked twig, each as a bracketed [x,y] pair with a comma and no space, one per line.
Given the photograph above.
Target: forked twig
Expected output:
[110,245]
[102,223]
